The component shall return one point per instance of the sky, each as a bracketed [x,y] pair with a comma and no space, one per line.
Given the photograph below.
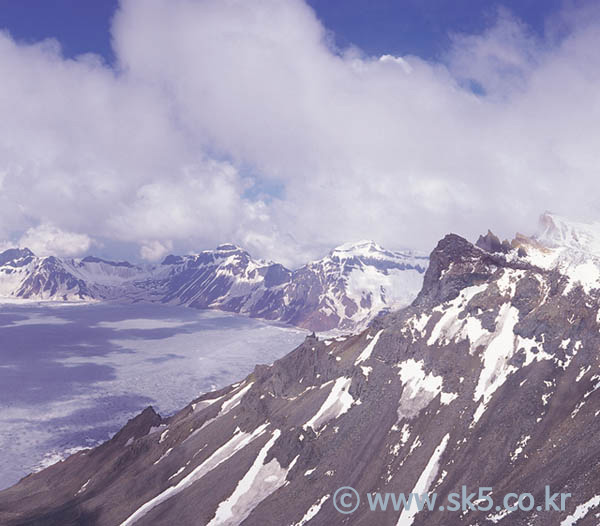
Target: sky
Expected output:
[138,128]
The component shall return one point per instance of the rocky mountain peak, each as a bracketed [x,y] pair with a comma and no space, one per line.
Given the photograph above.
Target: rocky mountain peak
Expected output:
[358,248]
[453,264]
[223,250]
[94,259]
[456,263]
[13,254]
[557,231]
[369,251]
[172,259]
[491,243]
[229,247]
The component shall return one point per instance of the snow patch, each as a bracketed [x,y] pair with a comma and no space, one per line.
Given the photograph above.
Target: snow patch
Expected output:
[178,472]
[520,447]
[366,353]
[449,326]
[420,388]
[312,511]
[235,400]
[337,403]
[424,482]
[83,488]
[198,406]
[496,357]
[259,482]
[582,372]
[581,511]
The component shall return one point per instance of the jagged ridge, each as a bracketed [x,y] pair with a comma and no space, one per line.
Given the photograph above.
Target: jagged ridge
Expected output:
[344,290]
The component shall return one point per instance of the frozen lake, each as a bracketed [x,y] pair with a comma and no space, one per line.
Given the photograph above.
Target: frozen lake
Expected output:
[71,375]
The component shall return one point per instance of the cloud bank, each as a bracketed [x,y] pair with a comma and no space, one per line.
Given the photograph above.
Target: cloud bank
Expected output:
[48,240]
[226,120]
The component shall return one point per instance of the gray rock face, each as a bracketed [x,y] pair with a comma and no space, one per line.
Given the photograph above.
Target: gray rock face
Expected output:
[16,257]
[50,279]
[490,378]
[344,290]
[491,243]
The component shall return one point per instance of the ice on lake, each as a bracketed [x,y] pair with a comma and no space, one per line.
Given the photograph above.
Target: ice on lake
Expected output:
[72,375]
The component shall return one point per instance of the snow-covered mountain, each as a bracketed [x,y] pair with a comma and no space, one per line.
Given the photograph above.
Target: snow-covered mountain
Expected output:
[24,275]
[572,247]
[569,247]
[489,379]
[561,233]
[345,290]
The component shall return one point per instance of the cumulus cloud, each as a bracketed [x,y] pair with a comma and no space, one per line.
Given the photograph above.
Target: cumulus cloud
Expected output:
[171,149]
[155,250]
[47,240]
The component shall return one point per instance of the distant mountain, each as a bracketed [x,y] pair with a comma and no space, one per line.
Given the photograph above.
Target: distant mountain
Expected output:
[345,290]
[352,284]
[490,378]
[572,247]
[24,275]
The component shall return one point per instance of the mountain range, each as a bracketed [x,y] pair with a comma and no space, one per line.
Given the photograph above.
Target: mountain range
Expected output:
[345,290]
[490,378]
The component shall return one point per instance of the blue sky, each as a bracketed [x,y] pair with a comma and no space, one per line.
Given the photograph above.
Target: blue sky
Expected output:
[239,121]
[80,26]
[419,27]
[400,27]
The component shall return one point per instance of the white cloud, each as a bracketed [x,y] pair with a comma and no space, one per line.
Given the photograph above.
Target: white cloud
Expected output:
[155,250]
[158,152]
[5,245]
[501,60]
[46,240]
